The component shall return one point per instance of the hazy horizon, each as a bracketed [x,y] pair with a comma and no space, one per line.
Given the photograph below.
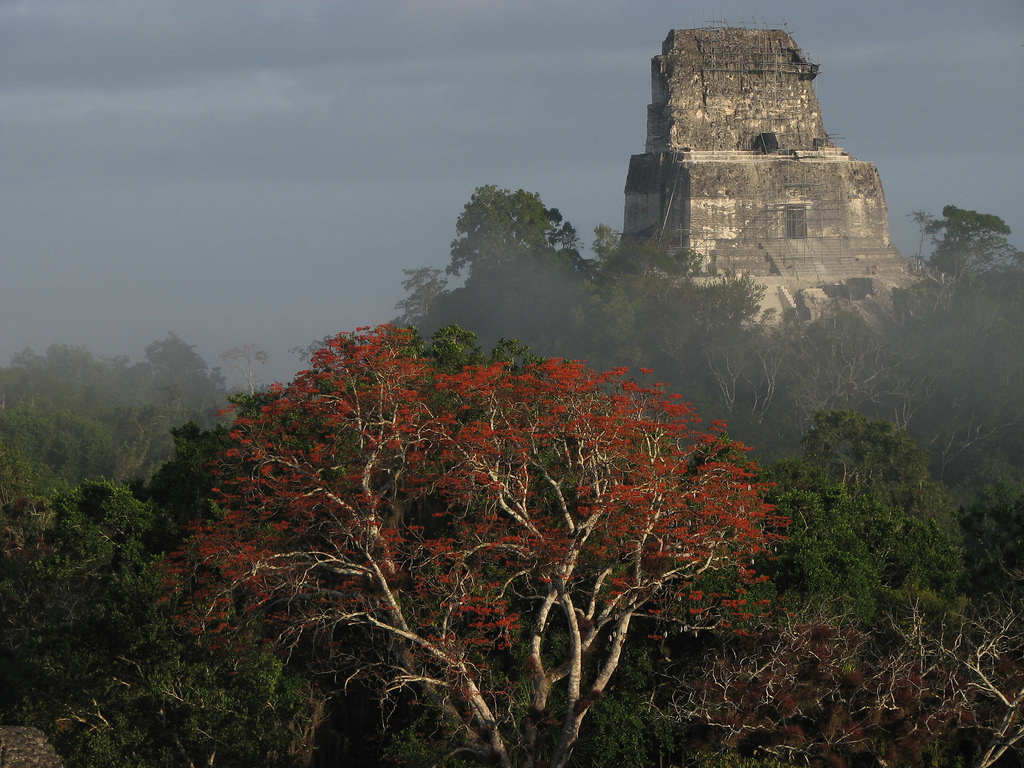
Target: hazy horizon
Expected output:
[261,172]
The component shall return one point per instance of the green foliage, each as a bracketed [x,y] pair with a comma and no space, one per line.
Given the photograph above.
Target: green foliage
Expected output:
[625,729]
[994,530]
[72,416]
[18,476]
[873,457]
[182,374]
[453,348]
[618,257]
[522,267]
[499,227]
[63,445]
[736,760]
[89,652]
[868,523]
[183,486]
[855,552]
[869,454]
[969,242]
[423,744]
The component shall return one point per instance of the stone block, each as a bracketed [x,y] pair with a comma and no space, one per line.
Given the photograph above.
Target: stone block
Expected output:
[22,747]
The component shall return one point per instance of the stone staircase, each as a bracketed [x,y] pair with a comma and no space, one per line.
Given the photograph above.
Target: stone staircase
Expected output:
[813,262]
[786,300]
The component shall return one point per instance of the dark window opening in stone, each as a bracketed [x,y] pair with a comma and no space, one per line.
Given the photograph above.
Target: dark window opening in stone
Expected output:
[796,222]
[766,143]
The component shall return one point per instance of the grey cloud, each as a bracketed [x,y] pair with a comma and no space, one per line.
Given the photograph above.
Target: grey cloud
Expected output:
[330,122]
[260,171]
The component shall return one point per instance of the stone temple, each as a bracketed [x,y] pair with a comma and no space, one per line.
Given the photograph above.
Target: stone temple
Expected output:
[738,167]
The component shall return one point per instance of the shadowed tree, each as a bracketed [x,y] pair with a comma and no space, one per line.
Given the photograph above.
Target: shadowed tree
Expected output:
[968,241]
[498,227]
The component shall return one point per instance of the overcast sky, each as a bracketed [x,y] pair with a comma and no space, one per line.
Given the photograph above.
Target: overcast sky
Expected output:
[261,172]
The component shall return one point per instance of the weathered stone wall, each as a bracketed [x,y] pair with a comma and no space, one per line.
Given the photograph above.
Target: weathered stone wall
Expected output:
[748,201]
[788,204]
[719,89]
[26,748]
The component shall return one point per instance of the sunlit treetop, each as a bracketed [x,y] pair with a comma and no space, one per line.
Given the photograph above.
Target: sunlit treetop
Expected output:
[445,514]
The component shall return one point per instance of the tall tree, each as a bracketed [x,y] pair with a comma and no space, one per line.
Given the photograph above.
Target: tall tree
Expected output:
[521,268]
[246,362]
[498,226]
[494,534]
[18,476]
[182,374]
[968,241]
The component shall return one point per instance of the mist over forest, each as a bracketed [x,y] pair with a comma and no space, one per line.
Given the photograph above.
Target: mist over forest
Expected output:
[261,173]
[187,579]
[519,271]
[419,461]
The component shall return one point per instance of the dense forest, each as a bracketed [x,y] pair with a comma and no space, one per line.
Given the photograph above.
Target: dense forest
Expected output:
[753,542]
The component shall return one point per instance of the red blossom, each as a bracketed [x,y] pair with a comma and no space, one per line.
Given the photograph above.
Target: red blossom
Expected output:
[456,514]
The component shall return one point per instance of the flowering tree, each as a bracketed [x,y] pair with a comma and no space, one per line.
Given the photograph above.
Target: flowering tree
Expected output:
[497,532]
